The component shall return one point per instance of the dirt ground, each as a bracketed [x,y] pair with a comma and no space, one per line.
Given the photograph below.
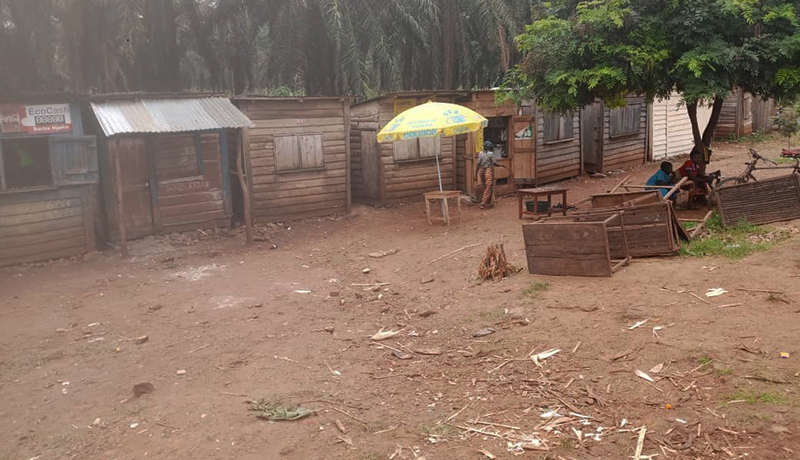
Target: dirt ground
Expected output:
[225,323]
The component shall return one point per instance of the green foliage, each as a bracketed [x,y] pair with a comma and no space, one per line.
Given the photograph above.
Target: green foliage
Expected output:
[765,397]
[788,121]
[535,288]
[734,243]
[724,371]
[574,53]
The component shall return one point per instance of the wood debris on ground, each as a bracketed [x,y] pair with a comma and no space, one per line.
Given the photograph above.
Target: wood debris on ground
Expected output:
[494,265]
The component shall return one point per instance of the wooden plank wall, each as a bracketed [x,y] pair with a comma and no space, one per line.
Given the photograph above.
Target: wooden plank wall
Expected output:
[764,113]
[736,118]
[557,160]
[363,118]
[565,248]
[182,203]
[461,162]
[297,194]
[408,181]
[625,151]
[726,126]
[46,224]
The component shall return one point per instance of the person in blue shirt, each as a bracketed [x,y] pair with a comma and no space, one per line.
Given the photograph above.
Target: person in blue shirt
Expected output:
[663,177]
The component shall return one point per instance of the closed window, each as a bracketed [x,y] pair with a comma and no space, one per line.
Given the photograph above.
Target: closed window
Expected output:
[298,152]
[626,120]
[558,127]
[178,156]
[417,149]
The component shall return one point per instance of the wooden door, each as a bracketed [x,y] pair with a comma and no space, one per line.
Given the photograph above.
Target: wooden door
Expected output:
[592,131]
[371,165]
[136,201]
[523,150]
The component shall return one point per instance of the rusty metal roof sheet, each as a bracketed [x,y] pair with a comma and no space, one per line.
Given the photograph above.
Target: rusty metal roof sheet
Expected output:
[155,116]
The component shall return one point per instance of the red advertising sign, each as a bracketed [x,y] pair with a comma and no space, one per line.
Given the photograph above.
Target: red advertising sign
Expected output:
[35,119]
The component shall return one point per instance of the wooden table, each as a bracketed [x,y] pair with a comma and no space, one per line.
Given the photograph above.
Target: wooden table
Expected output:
[534,193]
[443,197]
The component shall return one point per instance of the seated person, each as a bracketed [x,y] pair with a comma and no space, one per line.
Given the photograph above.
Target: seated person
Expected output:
[662,177]
[695,170]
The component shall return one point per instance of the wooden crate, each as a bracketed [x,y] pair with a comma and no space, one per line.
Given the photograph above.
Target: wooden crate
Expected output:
[649,229]
[761,202]
[562,246]
[609,200]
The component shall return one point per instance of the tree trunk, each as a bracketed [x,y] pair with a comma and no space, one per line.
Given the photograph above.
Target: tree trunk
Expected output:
[708,134]
[449,12]
[696,135]
[161,68]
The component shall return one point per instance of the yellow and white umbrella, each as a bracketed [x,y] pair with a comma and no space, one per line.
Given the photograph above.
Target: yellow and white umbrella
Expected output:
[433,119]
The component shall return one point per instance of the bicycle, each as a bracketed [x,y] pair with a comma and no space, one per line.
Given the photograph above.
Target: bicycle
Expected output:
[747,174]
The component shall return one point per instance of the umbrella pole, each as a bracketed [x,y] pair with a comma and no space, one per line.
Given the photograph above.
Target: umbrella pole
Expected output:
[439,172]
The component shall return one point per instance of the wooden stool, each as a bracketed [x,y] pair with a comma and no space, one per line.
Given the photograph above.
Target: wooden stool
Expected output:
[535,193]
[443,196]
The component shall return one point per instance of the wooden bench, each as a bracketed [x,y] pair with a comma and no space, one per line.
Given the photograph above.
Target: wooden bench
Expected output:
[443,197]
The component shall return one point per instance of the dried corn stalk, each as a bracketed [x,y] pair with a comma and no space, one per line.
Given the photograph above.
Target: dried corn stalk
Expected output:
[494,265]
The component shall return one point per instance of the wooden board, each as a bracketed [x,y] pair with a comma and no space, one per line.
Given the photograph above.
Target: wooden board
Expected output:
[46,224]
[649,228]
[762,202]
[566,248]
[608,200]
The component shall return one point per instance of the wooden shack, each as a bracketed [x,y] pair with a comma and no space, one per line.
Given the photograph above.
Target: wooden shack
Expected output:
[297,156]
[736,118]
[392,173]
[48,181]
[164,162]
[615,138]
[534,146]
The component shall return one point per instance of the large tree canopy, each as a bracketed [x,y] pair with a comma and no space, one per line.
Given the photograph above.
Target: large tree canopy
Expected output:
[578,51]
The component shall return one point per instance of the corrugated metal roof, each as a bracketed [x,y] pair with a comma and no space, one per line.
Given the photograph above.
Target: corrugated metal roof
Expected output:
[168,115]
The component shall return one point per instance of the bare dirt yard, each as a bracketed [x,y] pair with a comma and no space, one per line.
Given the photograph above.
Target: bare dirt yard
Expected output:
[225,324]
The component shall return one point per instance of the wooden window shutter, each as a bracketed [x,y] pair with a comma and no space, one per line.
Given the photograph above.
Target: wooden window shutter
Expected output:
[287,153]
[567,127]
[311,153]
[73,160]
[407,149]
[429,147]
[551,126]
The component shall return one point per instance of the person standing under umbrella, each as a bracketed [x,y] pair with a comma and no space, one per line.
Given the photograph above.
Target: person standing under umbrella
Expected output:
[485,172]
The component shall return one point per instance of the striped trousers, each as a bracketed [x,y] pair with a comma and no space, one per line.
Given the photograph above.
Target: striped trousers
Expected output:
[487,177]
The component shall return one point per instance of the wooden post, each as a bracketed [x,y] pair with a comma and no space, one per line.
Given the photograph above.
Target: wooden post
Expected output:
[123,238]
[152,179]
[699,228]
[244,143]
[348,181]
[621,183]
[675,188]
